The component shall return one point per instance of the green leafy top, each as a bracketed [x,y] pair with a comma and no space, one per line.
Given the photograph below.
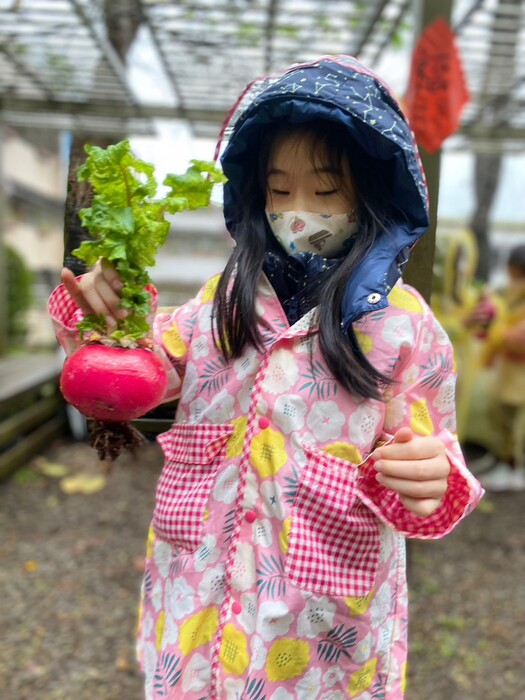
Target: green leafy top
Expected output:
[127,225]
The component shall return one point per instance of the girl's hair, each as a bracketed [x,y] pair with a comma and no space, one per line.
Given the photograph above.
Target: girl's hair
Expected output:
[235,317]
[517,258]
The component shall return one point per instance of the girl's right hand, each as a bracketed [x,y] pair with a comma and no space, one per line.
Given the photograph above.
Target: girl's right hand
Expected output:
[97,291]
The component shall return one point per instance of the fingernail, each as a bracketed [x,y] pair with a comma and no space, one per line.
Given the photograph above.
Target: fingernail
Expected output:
[378,466]
[117,286]
[380,478]
[122,313]
[110,321]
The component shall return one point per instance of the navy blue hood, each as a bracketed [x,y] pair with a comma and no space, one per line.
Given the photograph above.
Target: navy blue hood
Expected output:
[339,89]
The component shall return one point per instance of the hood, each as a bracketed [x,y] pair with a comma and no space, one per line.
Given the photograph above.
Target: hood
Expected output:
[339,89]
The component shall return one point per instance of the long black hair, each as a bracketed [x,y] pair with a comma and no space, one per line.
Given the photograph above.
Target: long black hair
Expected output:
[236,323]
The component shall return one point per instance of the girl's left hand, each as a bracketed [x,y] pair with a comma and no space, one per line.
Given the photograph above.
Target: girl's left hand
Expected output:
[417,468]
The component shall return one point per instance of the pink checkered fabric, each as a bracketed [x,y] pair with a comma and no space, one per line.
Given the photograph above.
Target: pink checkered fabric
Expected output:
[193,454]
[334,539]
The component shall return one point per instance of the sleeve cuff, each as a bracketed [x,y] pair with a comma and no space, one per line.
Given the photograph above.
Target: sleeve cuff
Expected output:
[463,494]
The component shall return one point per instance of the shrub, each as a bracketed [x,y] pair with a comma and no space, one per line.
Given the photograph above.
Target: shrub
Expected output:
[19,294]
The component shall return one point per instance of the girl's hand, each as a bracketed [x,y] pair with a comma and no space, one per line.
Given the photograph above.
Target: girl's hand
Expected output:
[416,468]
[97,292]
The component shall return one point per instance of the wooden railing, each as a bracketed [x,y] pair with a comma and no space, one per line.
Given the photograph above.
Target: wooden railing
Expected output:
[32,410]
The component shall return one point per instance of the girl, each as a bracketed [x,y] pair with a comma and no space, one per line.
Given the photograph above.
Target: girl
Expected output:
[315,425]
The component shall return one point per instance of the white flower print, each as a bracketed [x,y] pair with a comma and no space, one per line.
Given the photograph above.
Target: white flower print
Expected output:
[385,637]
[157,595]
[258,652]
[448,422]
[170,633]
[363,650]
[204,319]
[410,375]
[233,688]
[246,365]
[281,694]
[211,587]
[271,494]
[248,613]
[316,617]
[200,347]
[245,393]
[335,695]
[309,687]
[190,383]
[306,344]
[262,533]
[243,568]
[225,488]
[162,556]
[150,666]
[395,411]
[335,674]
[180,597]
[441,336]
[387,544]
[282,372]
[206,554]
[398,331]
[197,674]
[444,401]
[325,420]
[427,340]
[380,606]
[273,619]
[197,410]
[250,491]
[289,413]
[363,423]
[220,409]
[146,626]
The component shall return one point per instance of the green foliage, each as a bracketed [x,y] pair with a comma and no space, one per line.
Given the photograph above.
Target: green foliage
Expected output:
[19,294]
[127,224]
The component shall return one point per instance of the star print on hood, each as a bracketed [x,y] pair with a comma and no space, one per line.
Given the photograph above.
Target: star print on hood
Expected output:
[339,89]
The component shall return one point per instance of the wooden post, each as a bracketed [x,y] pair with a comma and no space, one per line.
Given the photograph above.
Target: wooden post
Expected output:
[3,257]
[418,272]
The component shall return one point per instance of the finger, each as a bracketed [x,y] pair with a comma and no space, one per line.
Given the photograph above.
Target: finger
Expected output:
[103,300]
[111,275]
[403,435]
[75,290]
[414,470]
[414,449]
[423,507]
[414,489]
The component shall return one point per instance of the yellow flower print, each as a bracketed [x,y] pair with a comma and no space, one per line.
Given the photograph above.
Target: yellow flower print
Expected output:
[267,453]
[358,606]
[236,439]
[234,651]
[362,679]
[198,629]
[159,629]
[287,658]
[209,289]
[365,341]
[150,543]
[420,420]
[402,299]
[284,535]
[173,342]
[344,450]
[404,677]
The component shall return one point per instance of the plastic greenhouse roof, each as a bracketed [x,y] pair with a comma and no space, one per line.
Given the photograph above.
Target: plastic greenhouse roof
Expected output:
[58,68]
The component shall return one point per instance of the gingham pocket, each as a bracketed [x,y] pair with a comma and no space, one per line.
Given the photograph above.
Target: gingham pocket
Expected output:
[334,538]
[193,454]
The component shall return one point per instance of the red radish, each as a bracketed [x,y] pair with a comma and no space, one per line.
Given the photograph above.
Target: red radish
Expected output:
[113,384]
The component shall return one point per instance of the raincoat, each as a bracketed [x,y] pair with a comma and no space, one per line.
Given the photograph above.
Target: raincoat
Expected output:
[276,562]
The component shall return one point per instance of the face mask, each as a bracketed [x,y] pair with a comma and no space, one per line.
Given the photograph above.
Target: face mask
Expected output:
[328,235]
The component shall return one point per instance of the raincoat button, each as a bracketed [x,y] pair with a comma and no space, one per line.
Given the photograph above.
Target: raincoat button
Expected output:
[373,298]
[236,608]
[263,423]
[250,516]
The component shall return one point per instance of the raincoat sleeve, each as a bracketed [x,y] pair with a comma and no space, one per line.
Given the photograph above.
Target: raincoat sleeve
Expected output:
[423,399]
[65,315]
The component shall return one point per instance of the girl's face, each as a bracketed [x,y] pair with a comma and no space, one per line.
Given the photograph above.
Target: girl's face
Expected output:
[300,178]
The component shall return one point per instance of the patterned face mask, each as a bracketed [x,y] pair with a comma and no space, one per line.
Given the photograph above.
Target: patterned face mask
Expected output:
[328,235]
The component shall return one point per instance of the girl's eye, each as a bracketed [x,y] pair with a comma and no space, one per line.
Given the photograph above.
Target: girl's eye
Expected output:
[279,192]
[326,193]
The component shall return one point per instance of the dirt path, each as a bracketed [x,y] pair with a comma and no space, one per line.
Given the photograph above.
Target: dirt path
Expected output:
[70,572]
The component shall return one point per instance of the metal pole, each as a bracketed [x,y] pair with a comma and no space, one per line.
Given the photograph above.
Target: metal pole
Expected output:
[3,257]
[418,272]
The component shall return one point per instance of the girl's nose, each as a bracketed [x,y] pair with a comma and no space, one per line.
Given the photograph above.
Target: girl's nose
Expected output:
[298,202]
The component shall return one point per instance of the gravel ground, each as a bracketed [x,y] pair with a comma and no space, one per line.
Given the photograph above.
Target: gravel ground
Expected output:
[70,572]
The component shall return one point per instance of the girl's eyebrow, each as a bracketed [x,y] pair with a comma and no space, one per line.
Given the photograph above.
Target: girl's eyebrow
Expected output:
[313,171]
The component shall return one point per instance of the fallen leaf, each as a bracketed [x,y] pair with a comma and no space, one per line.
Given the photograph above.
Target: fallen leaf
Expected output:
[83,483]
[54,470]
[30,565]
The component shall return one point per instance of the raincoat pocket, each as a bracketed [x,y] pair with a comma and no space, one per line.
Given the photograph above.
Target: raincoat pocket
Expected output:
[193,455]
[334,537]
